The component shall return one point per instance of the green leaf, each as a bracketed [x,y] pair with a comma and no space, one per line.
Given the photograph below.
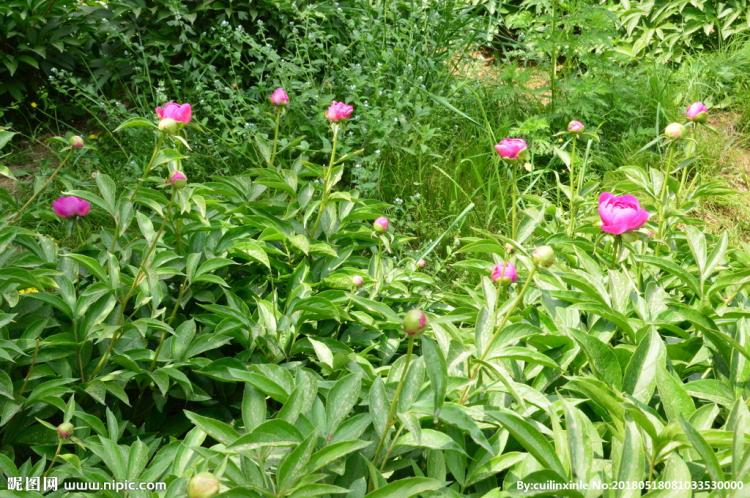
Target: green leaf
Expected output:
[437,371]
[530,438]
[270,433]
[704,450]
[292,467]
[333,452]
[405,488]
[632,460]
[220,431]
[341,399]
[640,374]
[429,438]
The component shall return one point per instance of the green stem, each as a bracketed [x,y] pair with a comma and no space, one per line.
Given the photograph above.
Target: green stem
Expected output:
[54,458]
[514,201]
[327,179]
[518,299]
[616,250]
[276,135]
[31,199]
[31,367]
[390,419]
[664,193]
[573,189]
[180,295]
[136,281]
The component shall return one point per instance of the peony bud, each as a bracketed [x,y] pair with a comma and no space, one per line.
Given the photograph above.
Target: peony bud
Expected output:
[279,97]
[178,179]
[505,273]
[543,256]
[421,263]
[182,113]
[358,281]
[576,127]
[70,206]
[414,322]
[65,430]
[697,112]
[203,485]
[381,224]
[674,131]
[168,125]
[76,141]
[512,148]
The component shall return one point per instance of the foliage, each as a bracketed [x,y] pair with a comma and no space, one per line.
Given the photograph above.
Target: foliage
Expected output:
[215,327]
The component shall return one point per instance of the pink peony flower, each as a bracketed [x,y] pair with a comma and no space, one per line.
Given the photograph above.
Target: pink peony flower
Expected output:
[504,272]
[621,214]
[279,97]
[576,127]
[182,113]
[381,224]
[338,111]
[67,207]
[177,179]
[697,111]
[511,148]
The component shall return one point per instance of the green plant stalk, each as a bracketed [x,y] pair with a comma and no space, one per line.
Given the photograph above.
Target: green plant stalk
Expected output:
[31,199]
[514,201]
[276,135]
[664,194]
[573,189]
[172,315]
[390,419]
[131,197]
[553,56]
[327,179]
[519,297]
[616,250]
[683,179]
[54,458]
[31,367]
[136,281]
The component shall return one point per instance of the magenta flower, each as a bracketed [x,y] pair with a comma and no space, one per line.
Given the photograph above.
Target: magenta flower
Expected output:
[68,207]
[504,272]
[697,112]
[182,113]
[381,224]
[576,127]
[338,111]
[177,179]
[511,148]
[279,97]
[621,213]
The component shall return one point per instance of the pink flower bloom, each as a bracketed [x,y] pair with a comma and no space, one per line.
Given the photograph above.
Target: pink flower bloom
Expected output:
[697,112]
[621,214]
[381,224]
[178,178]
[338,111]
[181,113]
[67,207]
[279,97]
[576,127]
[511,148]
[505,272]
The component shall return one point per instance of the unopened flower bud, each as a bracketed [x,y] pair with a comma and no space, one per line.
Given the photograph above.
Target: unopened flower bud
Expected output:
[168,125]
[576,127]
[414,322]
[358,281]
[178,179]
[65,430]
[381,224]
[674,131]
[543,256]
[421,263]
[76,141]
[203,485]
[697,112]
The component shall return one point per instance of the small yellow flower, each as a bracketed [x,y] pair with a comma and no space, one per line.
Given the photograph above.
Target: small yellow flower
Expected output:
[29,290]
[33,104]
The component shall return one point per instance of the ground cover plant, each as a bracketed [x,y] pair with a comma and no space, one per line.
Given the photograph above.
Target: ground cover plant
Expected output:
[483,263]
